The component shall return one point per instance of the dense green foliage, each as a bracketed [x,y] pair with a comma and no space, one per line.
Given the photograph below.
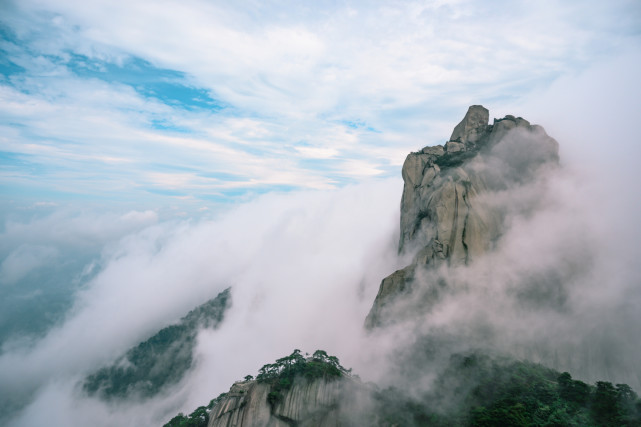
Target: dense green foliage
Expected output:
[198,418]
[161,360]
[280,375]
[480,391]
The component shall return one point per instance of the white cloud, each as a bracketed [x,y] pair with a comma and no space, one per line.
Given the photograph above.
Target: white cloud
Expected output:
[24,260]
[317,152]
[290,259]
[289,73]
[70,229]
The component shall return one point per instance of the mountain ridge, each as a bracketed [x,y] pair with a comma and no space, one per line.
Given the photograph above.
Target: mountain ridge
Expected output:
[161,360]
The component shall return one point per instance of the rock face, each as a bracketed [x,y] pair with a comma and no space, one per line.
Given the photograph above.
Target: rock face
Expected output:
[317,403]
[446,217]
[473,125]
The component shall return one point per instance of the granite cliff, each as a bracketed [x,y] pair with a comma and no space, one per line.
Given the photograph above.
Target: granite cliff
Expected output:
[446,216]
[316,403]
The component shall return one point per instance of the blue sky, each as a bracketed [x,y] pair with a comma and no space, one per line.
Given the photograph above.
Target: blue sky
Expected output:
[203,103]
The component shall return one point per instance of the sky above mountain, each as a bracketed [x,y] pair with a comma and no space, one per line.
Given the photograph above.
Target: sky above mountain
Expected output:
[196,104]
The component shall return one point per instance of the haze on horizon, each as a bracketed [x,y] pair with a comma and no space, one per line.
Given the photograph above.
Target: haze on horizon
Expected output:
[153,154]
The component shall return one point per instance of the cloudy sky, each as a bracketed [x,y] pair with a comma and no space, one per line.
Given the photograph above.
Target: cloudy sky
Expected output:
[199,103]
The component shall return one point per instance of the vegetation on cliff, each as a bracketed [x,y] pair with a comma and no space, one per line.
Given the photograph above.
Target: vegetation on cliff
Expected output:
[280,376]
[161,360]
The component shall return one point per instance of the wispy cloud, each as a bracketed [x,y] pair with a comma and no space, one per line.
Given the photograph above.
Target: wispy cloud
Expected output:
[235,89]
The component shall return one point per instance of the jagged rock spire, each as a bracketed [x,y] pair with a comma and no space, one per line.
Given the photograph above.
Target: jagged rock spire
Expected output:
[473,125]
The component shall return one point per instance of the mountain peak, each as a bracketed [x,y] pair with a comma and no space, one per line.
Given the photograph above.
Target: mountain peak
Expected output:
[472,126]
[444,217]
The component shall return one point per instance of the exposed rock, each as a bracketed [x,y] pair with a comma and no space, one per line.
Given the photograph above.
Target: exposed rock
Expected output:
[444,217]
[454,147]
[317,403]
[473,125]
[391,287]
[246,405]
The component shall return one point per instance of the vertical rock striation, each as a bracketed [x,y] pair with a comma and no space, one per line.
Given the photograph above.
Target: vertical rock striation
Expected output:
[445,218]
[316,403]
[245,405]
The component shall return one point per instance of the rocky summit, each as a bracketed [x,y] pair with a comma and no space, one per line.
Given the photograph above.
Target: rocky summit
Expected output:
[445,216]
